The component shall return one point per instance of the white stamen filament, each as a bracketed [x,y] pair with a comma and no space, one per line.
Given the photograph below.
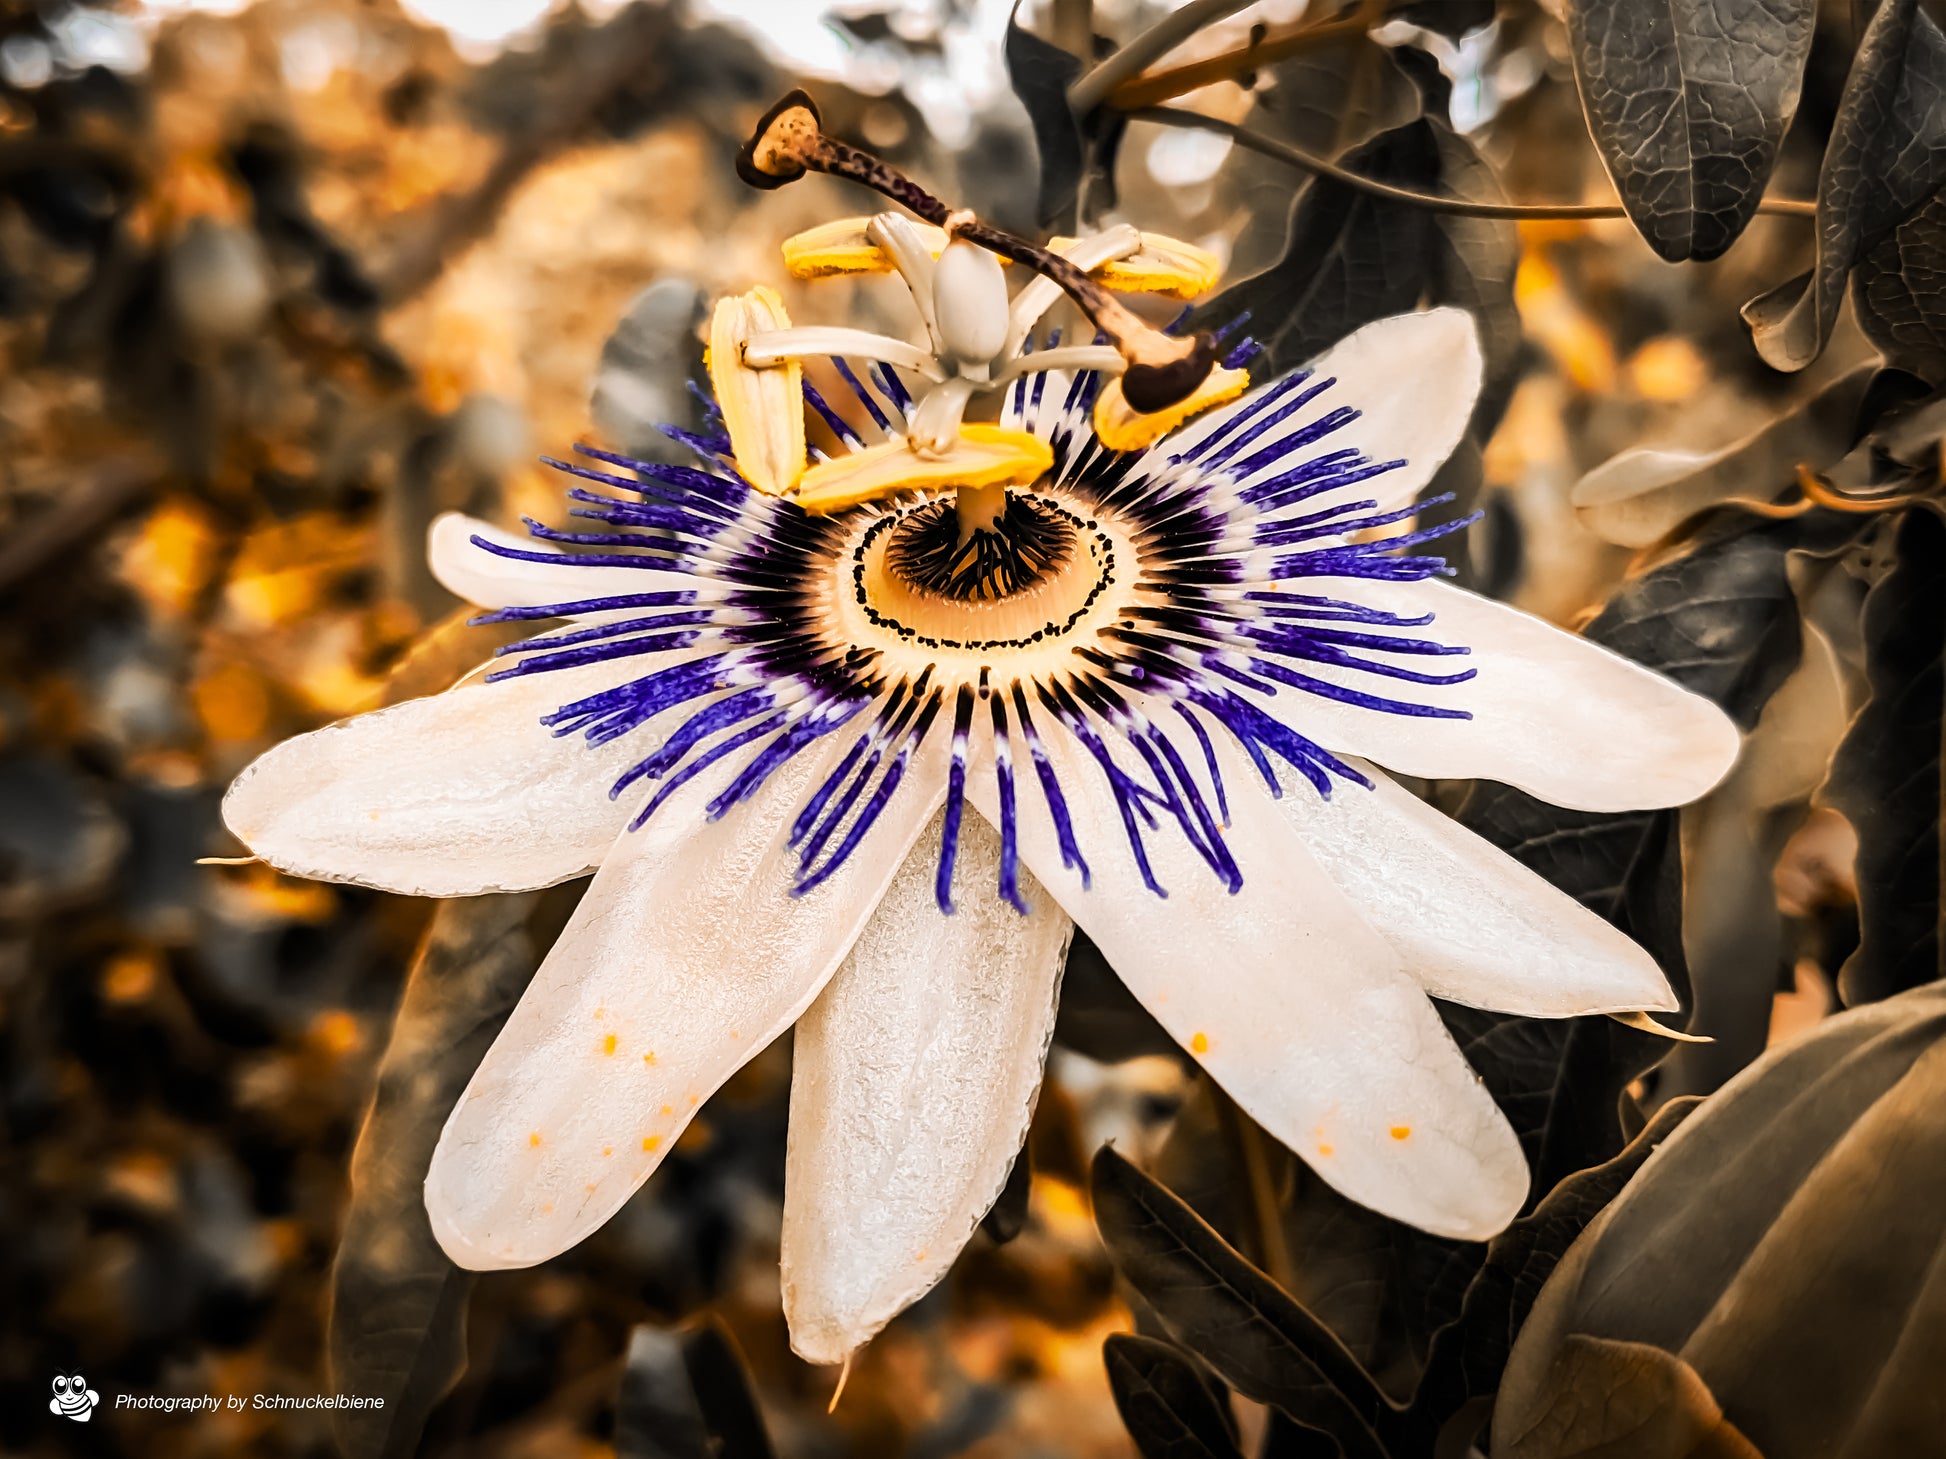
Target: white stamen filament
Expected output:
[1039,294]
[906,246]
[780,346]
[1104,358]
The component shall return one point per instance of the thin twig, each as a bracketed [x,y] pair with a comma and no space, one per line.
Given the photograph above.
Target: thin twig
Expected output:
[1248,1141]
[1279,45]
[1092,89]
[1170,116]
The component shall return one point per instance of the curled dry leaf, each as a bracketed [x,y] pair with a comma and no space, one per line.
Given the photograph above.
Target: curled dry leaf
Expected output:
[1639,497]
[1887,156]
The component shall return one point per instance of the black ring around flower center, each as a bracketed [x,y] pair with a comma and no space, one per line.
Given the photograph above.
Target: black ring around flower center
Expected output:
[951,584]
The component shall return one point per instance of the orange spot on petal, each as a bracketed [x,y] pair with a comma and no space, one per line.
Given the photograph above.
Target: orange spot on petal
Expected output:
[1326,1151]
[649,1142]
[1200,1043]
[534,1138]
[608,1044]
[1401,1132]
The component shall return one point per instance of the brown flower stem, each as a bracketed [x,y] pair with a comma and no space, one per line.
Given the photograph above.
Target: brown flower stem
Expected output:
[1278,45]
[789,142]
[1170,116]
[1819,492]
[1093,88]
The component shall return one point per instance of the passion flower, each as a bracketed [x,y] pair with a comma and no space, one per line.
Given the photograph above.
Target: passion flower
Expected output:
[853,747]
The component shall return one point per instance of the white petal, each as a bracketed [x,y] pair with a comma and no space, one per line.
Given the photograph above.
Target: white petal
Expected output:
[1291,1001]
[1554,714]
[1473,925]
[1413,379]
[913,1080]
[448,796]
[687,955]
[469,571]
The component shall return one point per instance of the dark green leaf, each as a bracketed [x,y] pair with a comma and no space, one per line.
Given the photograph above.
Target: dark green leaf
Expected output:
[723,1392]
[1898,292]
[1613,1398]
[1267,1346]
[1008,1215]
[1382,1287]
[1077,153]
[657,1415]
[1687,101]
[1469,1356]
[1885,778]
[397,1324]
[1098,1016]
[1788,1243]
[1474,261]
[1721,620]
[686,1395]
[1349,257]
[1166,1405]
[1325,100]
[1886,156]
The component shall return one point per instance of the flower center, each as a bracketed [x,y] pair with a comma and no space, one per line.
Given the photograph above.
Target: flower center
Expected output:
[989,577]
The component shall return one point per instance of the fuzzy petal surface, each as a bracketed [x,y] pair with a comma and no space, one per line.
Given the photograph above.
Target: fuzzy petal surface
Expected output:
[1473,925]
[1552,713]
[913,1080]
[1290,999]
[448,796]
[687,955]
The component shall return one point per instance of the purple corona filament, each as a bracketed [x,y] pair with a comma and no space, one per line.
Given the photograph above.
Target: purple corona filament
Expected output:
[1228,621]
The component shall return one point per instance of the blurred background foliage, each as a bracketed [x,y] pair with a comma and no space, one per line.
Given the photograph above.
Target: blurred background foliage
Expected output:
[281,281]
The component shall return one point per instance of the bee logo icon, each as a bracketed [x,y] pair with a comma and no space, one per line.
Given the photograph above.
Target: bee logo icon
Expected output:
[73,1398]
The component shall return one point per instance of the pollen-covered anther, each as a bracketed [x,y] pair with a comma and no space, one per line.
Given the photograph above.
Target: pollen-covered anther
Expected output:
[1161,265]
[981,456]
[1121,427]
[1162,369]
[763,409]
[845,247]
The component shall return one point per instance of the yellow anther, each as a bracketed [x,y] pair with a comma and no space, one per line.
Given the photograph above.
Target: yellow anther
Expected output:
[763,410]
[1120,427]
[1162,265]
[833,249]
[982,455]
